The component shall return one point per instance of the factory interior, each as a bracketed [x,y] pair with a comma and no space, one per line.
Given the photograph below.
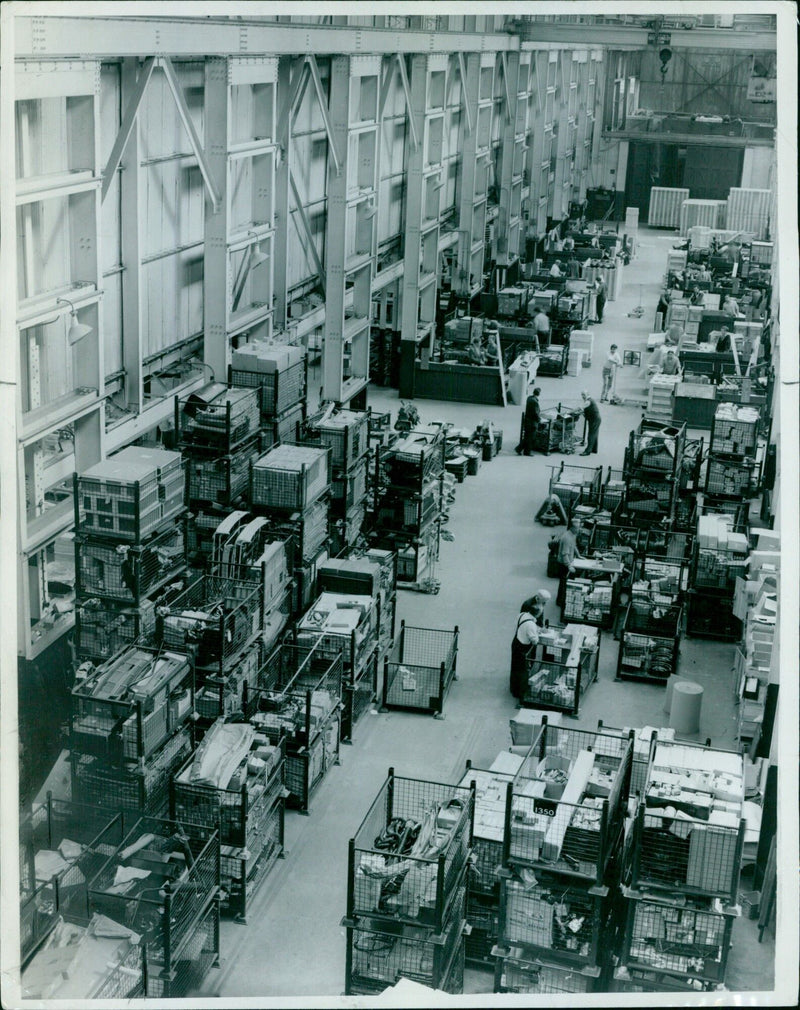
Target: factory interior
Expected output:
[400,474]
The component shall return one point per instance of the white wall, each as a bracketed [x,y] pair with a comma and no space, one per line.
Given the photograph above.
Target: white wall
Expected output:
[758,168]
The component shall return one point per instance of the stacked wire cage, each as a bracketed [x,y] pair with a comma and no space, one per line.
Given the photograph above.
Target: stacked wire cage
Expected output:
[247,810]
[623,543]
[163,882]
[732,479]
[297,693]
[653,464]
[681,871]
[280,374]
[419,669]
[290,484]
[407,887]
[129,545]
[565,811]
[560,669]
[407,505]
[369,579]
[346,433]
[485,870]
[130,727]
[62,843]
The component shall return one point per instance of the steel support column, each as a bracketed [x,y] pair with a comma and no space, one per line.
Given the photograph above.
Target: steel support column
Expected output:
[507,172]
[131,223]
[216,262]
[464,281]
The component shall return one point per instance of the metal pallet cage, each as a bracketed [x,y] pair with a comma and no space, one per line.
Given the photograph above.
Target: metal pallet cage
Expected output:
[636,980]
[718,569]
[217,418]
[126,573]
[655,448]
[128,706]
[688,940]
[416,458]
[553,920]
[515,973]
[731,479]
[190,963]
[75,839]
[612,492]
[348,488]
[377,956]
[166,903]
[289,477]
[734,435]
[101,630]
[280,389]
[576,837]
[285,427]
[649,642]
[221,696]
[709,616]
[128,510]
[556,684]
[217,617]
[420,668]
[297,691]
[130,787]
[387,882]
[242,871]
[358,695]
[575,485]
[346,433]
[220,480]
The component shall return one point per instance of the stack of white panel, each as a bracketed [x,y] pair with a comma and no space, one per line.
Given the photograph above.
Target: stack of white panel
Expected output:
[665,206]
[748,210]
[706,213]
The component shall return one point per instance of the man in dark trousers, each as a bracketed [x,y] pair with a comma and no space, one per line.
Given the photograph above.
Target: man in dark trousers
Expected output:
[600,299]
[530,421]
[592,414]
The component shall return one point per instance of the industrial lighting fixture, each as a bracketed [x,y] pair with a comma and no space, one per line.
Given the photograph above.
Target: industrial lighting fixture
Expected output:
[257,257]
[371,210]
[77,331]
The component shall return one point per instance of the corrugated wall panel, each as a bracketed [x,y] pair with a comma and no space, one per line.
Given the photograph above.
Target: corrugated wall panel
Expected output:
[749,210]
[665,206]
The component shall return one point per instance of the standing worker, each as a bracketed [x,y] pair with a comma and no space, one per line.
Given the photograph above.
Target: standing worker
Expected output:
[600,300]
[526,635]
[592,414]
[541,325]
[530,422]
[612,363]
[567,552]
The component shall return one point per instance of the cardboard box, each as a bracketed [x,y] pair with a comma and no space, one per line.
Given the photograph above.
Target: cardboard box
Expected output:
[267,358]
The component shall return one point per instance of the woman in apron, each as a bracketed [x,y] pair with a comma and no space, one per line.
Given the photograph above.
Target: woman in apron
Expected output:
[526,635]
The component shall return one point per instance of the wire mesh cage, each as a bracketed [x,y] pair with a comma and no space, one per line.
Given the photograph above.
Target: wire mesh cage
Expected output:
[190,964]
[358,695]
[575,485]
[670,576]
[684,519]
[66,843]
[558,678]
[347,434]
[649,501]
[289,477]
[565,807]
[517,974]
[158,882]
[280,389]
[126,574]
[719,568]
[285,427]
[407,859]
[420,668]
[236,811]
[734,430]
[399,511]
[629,979]
[560,922]
[217,418]
[242,871]
[656,448]
[102,629]
[130,787]
[350,487]
[483,929]
[216,617]
[612,492]
[591,595]
[125,976]
[415,459]
[685,854]
[687,940]
[377,957]
[709,614]
[650,641]
[221,696]
[731,479]
[220,480]
[128,706]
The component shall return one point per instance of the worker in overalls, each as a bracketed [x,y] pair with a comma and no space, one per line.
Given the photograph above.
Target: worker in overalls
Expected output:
[526,636]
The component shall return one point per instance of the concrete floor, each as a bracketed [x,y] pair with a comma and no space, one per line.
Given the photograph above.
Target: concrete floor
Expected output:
[294,944]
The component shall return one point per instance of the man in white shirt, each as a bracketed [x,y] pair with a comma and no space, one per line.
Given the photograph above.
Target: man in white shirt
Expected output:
[541,324]
[612,363]
[525,637]
[555,269]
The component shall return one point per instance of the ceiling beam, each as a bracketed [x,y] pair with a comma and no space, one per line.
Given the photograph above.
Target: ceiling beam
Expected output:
[686,139]
[45,37]
[629,37]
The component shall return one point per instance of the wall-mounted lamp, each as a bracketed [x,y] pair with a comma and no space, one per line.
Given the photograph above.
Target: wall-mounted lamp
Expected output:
[257,257]
[371,210]
[77,331]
